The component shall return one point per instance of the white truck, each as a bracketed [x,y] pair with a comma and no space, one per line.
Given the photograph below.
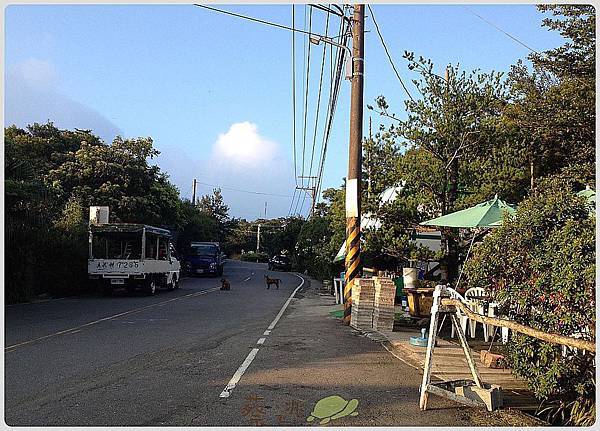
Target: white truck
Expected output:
[132,256]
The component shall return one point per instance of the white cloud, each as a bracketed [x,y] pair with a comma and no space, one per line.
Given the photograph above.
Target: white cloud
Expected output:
[34,73]
[244,159]
[243,145]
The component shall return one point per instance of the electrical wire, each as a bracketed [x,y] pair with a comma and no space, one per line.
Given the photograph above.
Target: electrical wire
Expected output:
[306,91]
[292,203]
[294,91]
[257,20]
[312,154]
[302,206]
[500,30]
[388,53]
[340,13]
[244,191]
[344,27]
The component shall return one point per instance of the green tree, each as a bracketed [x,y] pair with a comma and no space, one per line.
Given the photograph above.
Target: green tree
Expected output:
[118,176]
[541,265]
[454,119]
[195,225]
[214,206]
[554,104]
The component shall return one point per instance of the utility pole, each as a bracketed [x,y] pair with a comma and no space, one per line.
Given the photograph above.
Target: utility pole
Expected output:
[194,192]
[353,186]
[258,239]
[369,161]
[265,210]
[312,190]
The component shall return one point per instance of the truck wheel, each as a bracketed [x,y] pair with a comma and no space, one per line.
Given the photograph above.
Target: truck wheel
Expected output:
[151,287]
[175,282]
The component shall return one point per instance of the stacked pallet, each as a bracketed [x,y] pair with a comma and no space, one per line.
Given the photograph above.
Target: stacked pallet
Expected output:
[363,297]
[383,313]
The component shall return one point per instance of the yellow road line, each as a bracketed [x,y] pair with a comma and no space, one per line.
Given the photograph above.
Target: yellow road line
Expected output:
[125,313]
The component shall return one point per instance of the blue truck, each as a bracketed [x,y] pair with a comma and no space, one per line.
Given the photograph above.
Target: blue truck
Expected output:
[204,258]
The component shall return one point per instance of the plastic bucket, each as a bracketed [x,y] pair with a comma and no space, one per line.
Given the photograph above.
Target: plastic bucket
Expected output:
[409,276]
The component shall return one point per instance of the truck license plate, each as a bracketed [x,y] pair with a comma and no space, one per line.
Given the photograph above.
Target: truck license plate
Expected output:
[199,271]
[117,281]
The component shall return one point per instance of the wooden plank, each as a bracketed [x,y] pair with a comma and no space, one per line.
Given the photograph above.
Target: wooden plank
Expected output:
[454,397]
[577,343]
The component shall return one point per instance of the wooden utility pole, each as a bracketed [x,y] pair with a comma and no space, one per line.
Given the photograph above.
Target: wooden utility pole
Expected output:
[353,183]
[369,162]
[194,192]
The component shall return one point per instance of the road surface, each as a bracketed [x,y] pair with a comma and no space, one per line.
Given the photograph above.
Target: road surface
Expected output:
[200,356]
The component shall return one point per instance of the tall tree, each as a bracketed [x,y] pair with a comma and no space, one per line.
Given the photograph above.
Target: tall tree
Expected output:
[456,116]
[554,103]
[120,177]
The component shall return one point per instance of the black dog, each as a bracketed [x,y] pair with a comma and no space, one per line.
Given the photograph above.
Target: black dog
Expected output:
[271,281]
[225,285]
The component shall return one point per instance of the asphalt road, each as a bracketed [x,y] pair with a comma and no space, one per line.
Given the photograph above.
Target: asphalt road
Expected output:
[165,360]
[168,352]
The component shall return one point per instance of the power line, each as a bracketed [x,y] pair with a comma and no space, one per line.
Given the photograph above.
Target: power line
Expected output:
[292,203]
[312,154]
[332,102]
[501,30]
[297,202]
[340,13]
[256,20]
[244,191]
[388,53]
[294,90]
[306,89]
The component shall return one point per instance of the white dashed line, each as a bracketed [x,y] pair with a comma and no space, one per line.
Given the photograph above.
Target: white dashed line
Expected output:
[242,369]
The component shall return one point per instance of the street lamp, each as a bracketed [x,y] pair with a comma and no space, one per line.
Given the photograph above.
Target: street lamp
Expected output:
[317,39]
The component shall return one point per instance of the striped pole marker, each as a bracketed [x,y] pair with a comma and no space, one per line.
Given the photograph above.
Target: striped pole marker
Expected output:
[352,263]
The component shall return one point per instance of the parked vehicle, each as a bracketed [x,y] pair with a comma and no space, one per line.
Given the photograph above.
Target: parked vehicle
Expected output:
[132,256]
[280,262]
[205,258]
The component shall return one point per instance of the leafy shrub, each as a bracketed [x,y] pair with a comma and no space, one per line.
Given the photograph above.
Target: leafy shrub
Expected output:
[542,263]
[255,257]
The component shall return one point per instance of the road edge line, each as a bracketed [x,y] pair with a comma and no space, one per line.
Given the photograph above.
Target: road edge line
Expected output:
[225,393]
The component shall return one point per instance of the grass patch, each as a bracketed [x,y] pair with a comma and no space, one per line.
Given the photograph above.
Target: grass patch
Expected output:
[338,314]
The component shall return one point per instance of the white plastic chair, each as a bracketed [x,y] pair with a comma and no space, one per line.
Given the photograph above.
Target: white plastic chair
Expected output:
[477,307]
[492,312]
[463,319]
[584,333]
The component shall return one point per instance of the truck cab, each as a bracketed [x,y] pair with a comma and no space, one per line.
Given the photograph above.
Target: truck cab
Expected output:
[205,258]
[132,256]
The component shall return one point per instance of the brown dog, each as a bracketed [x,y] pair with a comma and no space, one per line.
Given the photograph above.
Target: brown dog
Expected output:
[271,281]
[225,285]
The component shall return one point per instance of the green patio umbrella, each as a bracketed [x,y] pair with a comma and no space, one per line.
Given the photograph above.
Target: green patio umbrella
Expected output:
[486,214]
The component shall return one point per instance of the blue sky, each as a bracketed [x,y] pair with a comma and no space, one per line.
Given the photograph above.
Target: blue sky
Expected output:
[214,91]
